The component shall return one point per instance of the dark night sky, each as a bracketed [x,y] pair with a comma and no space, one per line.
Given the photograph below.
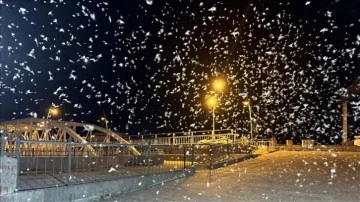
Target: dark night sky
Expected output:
[148,65]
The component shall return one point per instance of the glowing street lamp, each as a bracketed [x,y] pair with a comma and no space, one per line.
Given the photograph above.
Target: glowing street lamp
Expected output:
[107,139]
[52,111]
[219,85]
[106,122]
[247,103]
[212,102]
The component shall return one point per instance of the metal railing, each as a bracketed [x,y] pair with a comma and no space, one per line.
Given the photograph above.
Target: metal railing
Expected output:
[181,138]
[268,144]
[44,164]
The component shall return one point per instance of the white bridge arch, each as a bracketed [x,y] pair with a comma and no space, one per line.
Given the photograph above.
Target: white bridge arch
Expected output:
[35,129]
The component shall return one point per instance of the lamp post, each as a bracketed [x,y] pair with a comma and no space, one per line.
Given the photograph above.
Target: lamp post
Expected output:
[106,122]
[247,103]
[212,102]
[107,128]
[51,111]
[218,86]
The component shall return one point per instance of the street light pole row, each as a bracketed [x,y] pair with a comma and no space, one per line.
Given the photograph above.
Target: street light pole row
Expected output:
[212,101]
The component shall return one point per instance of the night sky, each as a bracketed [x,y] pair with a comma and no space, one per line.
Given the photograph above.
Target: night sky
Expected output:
[147,65]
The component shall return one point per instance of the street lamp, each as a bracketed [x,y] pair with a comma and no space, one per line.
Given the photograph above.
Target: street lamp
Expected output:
[212,102]
[52,111]
[107,134]
[219,85]
[247,103]
[106,122]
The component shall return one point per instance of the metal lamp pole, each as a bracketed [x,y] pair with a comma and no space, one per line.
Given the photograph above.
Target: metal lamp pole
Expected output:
[107,133]
[106,122]
[247,102]
[48,115]
[212,102]
[213,131]
[251,127]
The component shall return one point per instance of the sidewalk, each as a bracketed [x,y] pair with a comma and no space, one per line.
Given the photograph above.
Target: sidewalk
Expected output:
[278,176]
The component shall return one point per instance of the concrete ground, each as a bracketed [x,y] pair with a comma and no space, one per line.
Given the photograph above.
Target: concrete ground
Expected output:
[278,176]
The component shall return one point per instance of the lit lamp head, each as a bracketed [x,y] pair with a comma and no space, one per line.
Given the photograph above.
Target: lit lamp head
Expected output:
[246,102]
[104,119]
[53,111]
[219,85]
[211,101]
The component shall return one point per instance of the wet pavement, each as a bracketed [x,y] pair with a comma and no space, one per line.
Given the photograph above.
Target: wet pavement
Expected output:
[278,176]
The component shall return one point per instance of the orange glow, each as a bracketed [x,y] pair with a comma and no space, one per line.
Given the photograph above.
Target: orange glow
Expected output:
[211,101]
[53,111]
[219,85]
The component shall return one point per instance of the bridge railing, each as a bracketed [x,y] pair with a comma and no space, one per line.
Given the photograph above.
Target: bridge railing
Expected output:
[180,138]
[43,164]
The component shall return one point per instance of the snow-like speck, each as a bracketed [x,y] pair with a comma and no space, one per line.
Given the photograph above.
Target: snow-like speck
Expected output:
[149,2]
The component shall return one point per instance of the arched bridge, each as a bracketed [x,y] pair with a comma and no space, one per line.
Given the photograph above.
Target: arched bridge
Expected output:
[52,131]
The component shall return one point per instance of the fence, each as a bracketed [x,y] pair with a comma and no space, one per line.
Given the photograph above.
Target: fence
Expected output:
[181,138]
[268,144]
[44,164]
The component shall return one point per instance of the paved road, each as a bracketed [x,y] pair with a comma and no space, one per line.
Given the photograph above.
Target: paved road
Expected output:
[279,176]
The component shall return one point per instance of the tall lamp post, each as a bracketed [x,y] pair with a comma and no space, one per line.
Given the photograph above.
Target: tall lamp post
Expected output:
[218,86]
[212,102]
[52,111]
[106,122]
[107,128]
[247,103]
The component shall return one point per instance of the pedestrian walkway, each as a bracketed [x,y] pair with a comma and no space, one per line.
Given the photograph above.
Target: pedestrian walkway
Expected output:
[277,176]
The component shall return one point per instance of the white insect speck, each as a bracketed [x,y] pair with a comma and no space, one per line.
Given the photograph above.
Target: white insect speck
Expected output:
[149,2]
[323,30]
[212,9]
[22,11]
[333,172]
[112,169]
[120,22]
[33,114]
[32,53]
